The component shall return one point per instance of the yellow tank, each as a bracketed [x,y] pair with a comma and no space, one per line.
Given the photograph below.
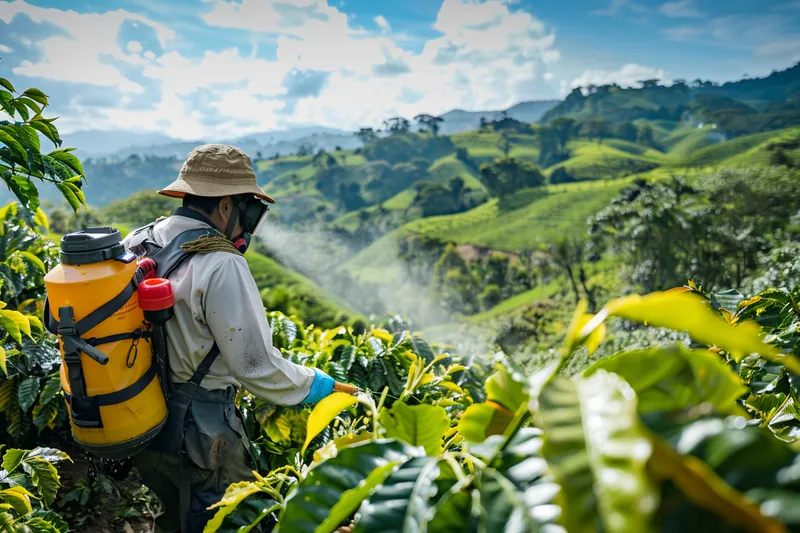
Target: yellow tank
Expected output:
[94,270]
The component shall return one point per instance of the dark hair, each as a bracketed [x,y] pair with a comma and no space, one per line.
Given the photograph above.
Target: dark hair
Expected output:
[204,203]
[208,203]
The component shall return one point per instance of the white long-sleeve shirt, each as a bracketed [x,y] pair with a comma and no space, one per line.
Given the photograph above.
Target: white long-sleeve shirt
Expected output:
[216,298]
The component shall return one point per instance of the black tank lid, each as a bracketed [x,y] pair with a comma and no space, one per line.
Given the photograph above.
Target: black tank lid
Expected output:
[92,245]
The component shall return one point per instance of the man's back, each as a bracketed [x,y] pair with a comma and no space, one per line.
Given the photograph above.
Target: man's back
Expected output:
[216,299]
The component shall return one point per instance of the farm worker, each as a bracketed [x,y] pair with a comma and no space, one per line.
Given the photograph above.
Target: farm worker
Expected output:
[219,338]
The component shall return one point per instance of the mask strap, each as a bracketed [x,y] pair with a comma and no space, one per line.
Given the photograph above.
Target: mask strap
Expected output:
[232,222]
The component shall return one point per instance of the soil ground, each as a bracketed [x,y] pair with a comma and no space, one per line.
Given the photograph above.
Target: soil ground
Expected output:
[91,502]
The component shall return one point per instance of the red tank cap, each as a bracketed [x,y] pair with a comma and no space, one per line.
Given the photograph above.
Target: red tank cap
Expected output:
[155,294]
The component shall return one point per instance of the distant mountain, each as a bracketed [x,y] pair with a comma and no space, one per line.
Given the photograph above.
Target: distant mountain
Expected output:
[93,143]
[459,120]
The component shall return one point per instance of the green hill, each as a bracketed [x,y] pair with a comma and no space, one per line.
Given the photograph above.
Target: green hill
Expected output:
[530,219]
[746,150]
[610,159]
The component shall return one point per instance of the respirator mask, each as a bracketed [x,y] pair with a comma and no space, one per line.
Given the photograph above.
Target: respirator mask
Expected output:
[252,214]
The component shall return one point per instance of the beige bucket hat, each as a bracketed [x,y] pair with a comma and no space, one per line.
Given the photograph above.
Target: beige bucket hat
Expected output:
[216,170]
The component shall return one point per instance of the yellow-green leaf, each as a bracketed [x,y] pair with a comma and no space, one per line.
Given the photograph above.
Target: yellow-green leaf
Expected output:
[419,425]
[383,335]
[20,324]
[35,261]
[19,498]
[3,360]
[324,412]
[234,495]
[688,312]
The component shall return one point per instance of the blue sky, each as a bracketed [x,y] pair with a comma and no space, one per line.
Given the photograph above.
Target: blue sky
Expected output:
[204,68]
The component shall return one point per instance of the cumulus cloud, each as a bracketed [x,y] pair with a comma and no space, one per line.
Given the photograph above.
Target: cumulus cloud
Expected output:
[4,48]
[627,76]
[324,70]
[680,9]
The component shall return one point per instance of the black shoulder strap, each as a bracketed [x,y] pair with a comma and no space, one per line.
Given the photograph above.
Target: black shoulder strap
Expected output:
[171,256]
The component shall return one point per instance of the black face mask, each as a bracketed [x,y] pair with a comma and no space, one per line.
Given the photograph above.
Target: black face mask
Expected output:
[250,213]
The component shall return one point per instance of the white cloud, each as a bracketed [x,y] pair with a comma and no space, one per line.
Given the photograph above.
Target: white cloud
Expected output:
[626,76]
[60,52]
[382,23]
[489,55]
[680,9]
[5,49]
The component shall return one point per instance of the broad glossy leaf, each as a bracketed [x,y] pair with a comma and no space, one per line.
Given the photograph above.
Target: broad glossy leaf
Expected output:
[69,196]
[37,95]
[19,498]
[598,451]
[68,159]
[419,425]
[20,156]
[324,413]
[52,518]
[404,502]
[3,366]
[573,339]
[688,312]
[505,393]
[482,420]
[674,378]
[7,84]
[45,478]
[455,513]
[27,392]
[13,458]
[698,482]
[25,191]
[334,489]
[51,455]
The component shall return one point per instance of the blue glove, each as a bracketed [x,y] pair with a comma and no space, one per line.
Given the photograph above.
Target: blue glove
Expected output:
[321,387]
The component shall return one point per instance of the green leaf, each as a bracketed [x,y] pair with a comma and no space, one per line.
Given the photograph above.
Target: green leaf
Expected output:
[675,378]
[25,190]
[39,525]
[422,349]
[45,478]
[455,513]
[45,413]
[53,519]
[12,459]
[69,195]
[683,311]
[9,324]
[19,498]
[22,109]
[27,392]
[51,455]
[8,393]
[503,508]
[598,451]
[419,425]
[234,495]
[3,366]
[74,163]
[505,394]
[32,259]
[36,108]
[706,489]
[324,413]
[334,489]
[47,129]
[37,95]
[24,134]
[7,84]
[404,501]
[19,155]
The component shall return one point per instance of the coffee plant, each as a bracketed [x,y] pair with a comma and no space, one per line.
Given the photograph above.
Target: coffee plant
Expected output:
[684,436]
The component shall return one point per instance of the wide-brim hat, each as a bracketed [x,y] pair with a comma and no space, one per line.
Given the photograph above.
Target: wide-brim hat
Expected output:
[216,170]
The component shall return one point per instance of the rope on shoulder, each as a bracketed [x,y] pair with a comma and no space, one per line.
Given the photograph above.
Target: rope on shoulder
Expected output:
[208,244]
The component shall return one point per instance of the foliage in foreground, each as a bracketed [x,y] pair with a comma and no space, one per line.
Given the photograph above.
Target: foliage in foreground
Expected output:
[675,437]
[29,482]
